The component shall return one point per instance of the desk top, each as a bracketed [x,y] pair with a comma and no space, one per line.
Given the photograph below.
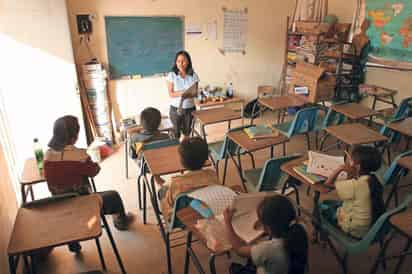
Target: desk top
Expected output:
[355,134]
[288,169]
[55,223]
[31,174]
[248,144]
[234,99]
[165,160]
[354,111]
[216,115]
[406,162]
[281,102]
[404,127]
[165,125]
[189,217]
[403,222]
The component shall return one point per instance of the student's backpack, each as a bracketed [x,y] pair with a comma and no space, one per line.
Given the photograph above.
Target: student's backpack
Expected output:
[251,109]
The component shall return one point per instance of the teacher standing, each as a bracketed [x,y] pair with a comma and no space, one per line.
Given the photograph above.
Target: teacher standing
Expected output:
[179,80]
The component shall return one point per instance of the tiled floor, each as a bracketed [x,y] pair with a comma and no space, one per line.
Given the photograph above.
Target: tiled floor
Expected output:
[143,251]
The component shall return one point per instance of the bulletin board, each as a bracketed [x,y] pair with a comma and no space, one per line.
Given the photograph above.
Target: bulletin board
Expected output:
[142,46]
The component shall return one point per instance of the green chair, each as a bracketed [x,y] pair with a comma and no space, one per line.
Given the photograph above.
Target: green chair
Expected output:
[303,123]
[336,237]
[268,178]
[222,150]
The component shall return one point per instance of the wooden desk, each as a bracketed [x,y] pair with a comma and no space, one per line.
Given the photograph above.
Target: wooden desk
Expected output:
[214,116]
[281,103]
[354,111]
[318,189]
[379,94]
[165,125]
[31,175]
[161,161]
[355,134]
[227,101]
[55,223]
[189,218]
[406,162]
[242,140]
[404,127]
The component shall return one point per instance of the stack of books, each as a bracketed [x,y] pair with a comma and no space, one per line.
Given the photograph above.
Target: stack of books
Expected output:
[310,177]
[260,132]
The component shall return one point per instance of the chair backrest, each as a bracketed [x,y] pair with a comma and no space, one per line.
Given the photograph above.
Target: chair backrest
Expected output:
[393,136]
[305,121]
[403,109]
[332,118]
[394,171]
[353,246]
[265,90]
[160,144]
[272,175]
[182,201]
[229,145]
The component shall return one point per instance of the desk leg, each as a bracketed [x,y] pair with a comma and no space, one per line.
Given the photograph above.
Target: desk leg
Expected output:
[126,144]
[316,216]
[23,194]
[212,265]
[204,132]
[116,252]
[402,258]
[13,263]
[271,152]
[99,250]
[187,257]
[165,236]
[381,255]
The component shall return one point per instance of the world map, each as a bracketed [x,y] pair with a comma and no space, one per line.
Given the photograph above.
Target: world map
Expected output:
[390,31]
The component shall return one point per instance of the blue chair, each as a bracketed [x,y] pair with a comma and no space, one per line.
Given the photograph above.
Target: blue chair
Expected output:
[403,110]
[332,118]
[144,170]
[391,175]
[222,150]
[303,123]
[336,237]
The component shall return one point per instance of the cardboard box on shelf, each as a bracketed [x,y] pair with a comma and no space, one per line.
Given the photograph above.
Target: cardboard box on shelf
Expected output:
[312,27]
[321,86]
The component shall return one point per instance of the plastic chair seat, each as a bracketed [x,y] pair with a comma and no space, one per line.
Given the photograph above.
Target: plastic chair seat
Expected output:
[283,128]
[252,177]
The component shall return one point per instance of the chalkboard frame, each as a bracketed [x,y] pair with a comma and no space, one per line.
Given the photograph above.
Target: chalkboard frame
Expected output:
[139,74]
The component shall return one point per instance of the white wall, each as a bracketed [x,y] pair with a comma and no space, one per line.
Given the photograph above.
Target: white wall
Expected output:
[37,71]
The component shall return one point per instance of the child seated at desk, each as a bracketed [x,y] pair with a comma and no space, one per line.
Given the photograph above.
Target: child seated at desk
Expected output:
[286,251]
[150,119]
[67,169]
[361,202]
[193,153]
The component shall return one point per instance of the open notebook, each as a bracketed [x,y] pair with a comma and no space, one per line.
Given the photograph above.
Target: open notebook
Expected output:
[324,164]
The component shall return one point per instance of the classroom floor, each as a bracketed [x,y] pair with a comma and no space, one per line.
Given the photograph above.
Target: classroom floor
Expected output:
[143,250]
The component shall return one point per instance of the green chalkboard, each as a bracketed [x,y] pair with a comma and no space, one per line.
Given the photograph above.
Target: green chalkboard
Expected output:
[142,45]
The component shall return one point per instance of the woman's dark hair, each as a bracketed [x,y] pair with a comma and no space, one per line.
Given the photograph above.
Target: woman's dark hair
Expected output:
[277,213]
[150,119]
[193,153]
[189,69]
[65,129]
[370,160]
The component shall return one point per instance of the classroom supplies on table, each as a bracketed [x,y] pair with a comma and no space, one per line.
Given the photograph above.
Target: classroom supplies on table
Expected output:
[323,164]
[310,177]
[216,197]
[260,131]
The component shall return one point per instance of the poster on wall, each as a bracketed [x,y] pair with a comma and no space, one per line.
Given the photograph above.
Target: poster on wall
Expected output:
[234,31]
[390,31]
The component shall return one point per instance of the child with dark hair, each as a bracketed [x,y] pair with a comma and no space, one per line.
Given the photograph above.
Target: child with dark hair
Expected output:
[68,168]
[150,119]
[193,153]
[286,251]
[361,196]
